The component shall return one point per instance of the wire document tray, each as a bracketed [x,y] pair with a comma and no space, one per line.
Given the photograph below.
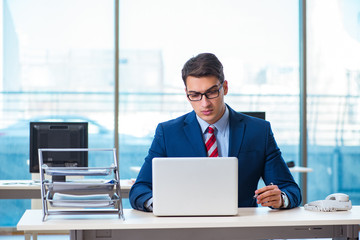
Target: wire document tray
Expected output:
[77,171]
[84,196]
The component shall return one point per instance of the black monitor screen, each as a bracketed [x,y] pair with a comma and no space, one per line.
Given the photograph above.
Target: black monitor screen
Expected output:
[58,135]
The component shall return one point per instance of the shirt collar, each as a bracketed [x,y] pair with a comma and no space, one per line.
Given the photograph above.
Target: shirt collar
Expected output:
[220,125]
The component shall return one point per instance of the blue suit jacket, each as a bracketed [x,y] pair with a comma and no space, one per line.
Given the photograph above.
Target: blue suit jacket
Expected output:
[251,141]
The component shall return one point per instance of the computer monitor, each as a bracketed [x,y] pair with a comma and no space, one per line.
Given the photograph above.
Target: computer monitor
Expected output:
[58,135]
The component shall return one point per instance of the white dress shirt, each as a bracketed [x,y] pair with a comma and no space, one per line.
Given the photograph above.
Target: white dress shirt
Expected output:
[221,132]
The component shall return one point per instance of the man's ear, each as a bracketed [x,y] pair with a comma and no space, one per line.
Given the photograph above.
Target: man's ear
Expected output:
[225,87]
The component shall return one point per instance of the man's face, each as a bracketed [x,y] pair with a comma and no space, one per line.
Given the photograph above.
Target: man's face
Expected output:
[210,110]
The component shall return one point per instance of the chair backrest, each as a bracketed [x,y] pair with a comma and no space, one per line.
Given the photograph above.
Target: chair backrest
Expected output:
[260,115]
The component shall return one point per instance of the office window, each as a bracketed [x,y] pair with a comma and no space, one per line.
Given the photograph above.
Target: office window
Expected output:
[257,46]
[333,98]
[57,62]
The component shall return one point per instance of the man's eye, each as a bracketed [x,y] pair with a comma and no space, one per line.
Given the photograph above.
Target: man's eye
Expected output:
[194,95]
[210,93]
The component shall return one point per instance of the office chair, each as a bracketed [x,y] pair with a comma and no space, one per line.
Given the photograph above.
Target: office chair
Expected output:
[260,115]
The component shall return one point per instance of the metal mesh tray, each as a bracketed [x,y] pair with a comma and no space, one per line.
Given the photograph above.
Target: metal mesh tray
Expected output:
[77,171]
[81,187]
[83,201]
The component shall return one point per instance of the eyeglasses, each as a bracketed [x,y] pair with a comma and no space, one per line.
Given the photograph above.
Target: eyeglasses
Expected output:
[196,96]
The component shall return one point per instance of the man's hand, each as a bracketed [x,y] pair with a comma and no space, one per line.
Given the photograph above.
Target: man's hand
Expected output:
[269,196]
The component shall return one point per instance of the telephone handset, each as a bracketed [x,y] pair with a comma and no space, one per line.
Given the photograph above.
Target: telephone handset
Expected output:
[333,202]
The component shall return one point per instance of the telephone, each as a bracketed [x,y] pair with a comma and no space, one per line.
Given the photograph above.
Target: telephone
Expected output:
[333,202]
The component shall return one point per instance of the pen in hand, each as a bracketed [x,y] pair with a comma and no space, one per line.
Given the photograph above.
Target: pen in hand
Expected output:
[256,195]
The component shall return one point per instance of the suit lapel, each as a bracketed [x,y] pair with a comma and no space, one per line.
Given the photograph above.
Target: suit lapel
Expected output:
[193,133]
[237,128]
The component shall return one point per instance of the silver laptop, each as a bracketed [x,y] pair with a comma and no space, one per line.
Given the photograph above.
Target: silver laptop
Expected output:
[195,186]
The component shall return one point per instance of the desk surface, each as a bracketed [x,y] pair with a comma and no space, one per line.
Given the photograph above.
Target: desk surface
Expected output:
[19,184]
[30,189]
[300,169]
[247,217]
[31,184]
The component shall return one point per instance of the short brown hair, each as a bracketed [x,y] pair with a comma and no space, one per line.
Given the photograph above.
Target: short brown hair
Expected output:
[204,64]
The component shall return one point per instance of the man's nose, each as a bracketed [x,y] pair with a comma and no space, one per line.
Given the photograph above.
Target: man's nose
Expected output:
[205,101]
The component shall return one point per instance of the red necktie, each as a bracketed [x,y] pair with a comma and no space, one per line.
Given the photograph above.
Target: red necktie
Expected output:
[210,143]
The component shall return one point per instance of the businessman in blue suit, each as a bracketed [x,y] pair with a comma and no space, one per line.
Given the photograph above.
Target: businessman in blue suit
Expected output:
[237,135]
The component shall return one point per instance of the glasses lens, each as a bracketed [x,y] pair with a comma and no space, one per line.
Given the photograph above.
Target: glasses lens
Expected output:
[194,97]
[212,94]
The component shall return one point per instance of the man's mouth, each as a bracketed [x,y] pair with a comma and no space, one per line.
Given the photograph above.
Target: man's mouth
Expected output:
[206,112]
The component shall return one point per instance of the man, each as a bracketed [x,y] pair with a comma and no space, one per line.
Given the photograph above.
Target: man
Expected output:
[237,135]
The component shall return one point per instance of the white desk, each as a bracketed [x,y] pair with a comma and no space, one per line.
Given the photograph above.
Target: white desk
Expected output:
[19,189]
[250,223]
[30,189]
[300,169]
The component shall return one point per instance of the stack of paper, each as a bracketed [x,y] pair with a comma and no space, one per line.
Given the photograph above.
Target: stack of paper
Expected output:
[81,201]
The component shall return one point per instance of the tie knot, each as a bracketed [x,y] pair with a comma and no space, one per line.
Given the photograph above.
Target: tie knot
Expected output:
[211,129]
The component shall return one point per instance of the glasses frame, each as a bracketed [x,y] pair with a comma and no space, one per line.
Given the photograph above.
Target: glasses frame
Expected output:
[205,94]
